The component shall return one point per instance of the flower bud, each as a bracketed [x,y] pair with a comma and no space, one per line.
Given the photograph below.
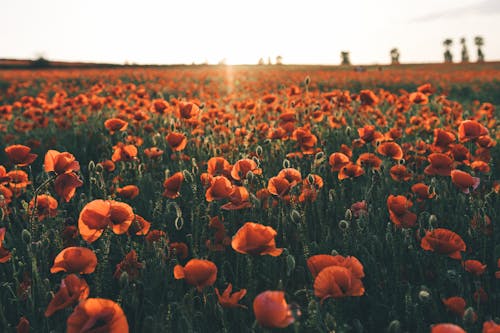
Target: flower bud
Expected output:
[26,236]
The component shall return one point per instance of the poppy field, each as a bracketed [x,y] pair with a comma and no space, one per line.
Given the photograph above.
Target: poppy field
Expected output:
[250,199]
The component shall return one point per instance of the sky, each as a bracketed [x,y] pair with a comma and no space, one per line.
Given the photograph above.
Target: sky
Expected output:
[242,31]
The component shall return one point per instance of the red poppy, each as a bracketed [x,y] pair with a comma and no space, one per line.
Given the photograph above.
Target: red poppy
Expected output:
[220,188]
[398,211]
[131,265]
[5,255]
[368,133]
[180,249]
[491,327]
[418,98]
[338,160]
[390,149]
[72,290]
[239,198]
[115,124]
[230,300]
[108,165]
[60,163]
[400,173]
[221,240]
[128,191]
[351,170]
[176,141]
[471,130]
[188,110]
[173,185]
[447,328]
[368,98]
[75,260]
[279,186]
[218,166]
[46,206]
[475,267]
[443,241]
[292,175]
[441,165]
[442,140]
[65,185]
[369,161]
[23,326]
[320,261]
[18,181]
[256,239]
[97,315]
[422,191]
[20,155]
[199,273]
[271,309]
[139,226]
[464,181]
[244,166]
[337,282]
[153,152]
[124,152]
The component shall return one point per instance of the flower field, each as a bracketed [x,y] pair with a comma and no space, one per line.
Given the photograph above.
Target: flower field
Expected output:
[250,199]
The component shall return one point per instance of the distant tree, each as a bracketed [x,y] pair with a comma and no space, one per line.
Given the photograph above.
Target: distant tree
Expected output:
[261,62]
[223,62]
[448,57]
[479,41]
[269,61]
[465,52]
[344,55]
[279,60]
[394,56]
[40,62]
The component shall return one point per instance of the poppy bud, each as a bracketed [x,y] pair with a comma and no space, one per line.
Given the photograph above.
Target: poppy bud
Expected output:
[432,220]
[286,164]
[307,80]
[348,130]
[99,168]
[91,166]
[310,179]
[401,161]
[343,225]
[319,156]
[424,296]
[259,151]
[179,222]
[141,168]
[290,264]
[26,236]
[348,215]
[295,216]
[187,176]
[469,316]
[394,327]
[331,195]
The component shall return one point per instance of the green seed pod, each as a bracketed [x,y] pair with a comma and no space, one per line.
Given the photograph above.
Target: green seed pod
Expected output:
[334,252]
[348,130]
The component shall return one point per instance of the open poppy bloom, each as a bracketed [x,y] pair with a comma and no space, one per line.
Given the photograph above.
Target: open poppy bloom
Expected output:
[400,173]
[390,149]
[443,241]
[422,191]
[172,185]
[351,170]
[244,166]
[115,124]
[97,215]
[97,315]
[475,267]
[20,155]
[5,255]
[18,181]
[447,328]
[46,206]
[153,152]
[176,141]
[238,199]
[441,165]
[369,134]
[128,191]
[338,160]
[124,152]
[221,240]
[75,260]
[66,184]
[129,264]
[72,290]
[272,310]
[337,282]
[319,262]
[230,300]
[471,130]
[442,140]
[398,211]
[188,110]
[368,98]
[455,304]
[219,166]
[256,239]
[491,327]
[139,226]
[279,186]
[23,326]
[197,272]
[60,162]
[464,181]
[369,161]
[220,188]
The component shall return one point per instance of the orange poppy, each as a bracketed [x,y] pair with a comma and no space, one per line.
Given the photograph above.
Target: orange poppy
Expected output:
[180,249]
[475,267]
[443,241]
[23,326]
[279,186]
[65,185]
[124,152]
[188,110]
[173,185]
[108,165]
[460,153]
[491,327]
[368,133]
[60,163]
[72,290]
[155,236]
[292,175]
[18,181]
[128,191]
[153,152]
[97,315]
[46,206]
[337,282]
[220,188]
[390,149]
[455,304]
[20,155]
[131,265]
[442,140]
[368,98]
[176,141]
[418,98]
[197,272]
[399,213]
[256,239]
[75,260]
[351,170]
[400,173]
[239,198]
[5,255]
[447,328]
[139,226]
[369,160]
[115,124]
[464,181]
[244,166]
[422,191]
[441,165]
[221,240]
[218,166]
[99,214]
[305,139]
[320,261]
[480,166]
[471,130]
[337,161]
[272,310]
[230,300]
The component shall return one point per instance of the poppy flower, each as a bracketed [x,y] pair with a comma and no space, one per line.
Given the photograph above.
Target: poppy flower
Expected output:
[20,155]
[128,191]
[139,226]
[176,141]
[442,140]
[390,149]
[220,188]
[65,185]
[398,211]
[400,173]
[279,186]
[337,282]
[464,181]
[60,163]
[475,267]
[230,300]
[441,165]
[238,199]
[447,328]
[199,273]
[368,98]
[75,260]
[18,181]
[256,239]
[460,153]
[131,265]
[368,133]
[97,315]
[108,165]
[5,255]
[221,240]
[23,326]
[455,304]
[115,124]
[97,215]
[480,166]
[351,170]
[244,166]
[219,166]
[124,153]
[269,98]
[490,327]
[369,161]
[418,98]
[319,262]
[292,175]
[72,290]
[359,209]
[272,310]
[305,139]
[153,152]
[173,185]
[471,130]
[443,241]
[188,110]
[338,160]
[422,191]
[156,235]
[46,206]
[180,249]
